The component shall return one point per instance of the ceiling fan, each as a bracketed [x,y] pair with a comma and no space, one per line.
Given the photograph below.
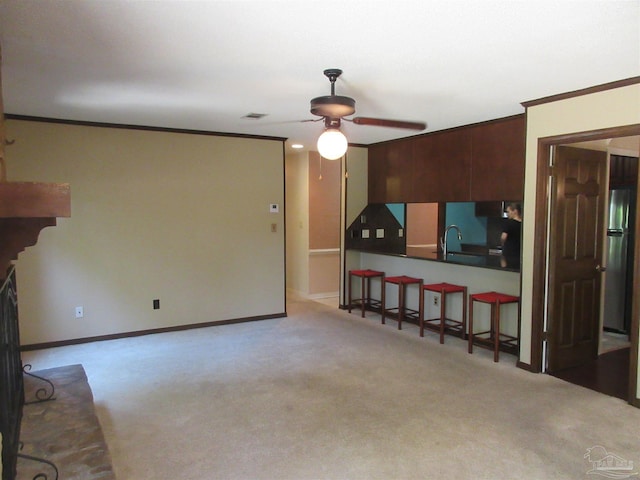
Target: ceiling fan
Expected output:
[332,144]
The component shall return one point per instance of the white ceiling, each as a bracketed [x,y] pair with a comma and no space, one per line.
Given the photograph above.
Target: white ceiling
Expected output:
[205,64]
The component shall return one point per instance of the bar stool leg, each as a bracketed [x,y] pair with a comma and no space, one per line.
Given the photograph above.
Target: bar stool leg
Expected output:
[401,293]
[463,330]
[363,297]
[496,345]
[443,308]
[470,325]
[383,300]
[349,292]
[421,312]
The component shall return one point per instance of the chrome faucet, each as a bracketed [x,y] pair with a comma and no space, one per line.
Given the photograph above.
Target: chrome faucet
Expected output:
[443,240]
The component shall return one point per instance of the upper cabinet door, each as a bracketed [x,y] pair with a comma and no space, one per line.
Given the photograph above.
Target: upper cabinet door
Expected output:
[391,172]
[442,167]
[377,173]
[498,157]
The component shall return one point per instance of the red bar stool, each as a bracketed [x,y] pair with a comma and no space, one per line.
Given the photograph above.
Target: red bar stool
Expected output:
[495,339]
[442,323]
[365,301]
[403,312]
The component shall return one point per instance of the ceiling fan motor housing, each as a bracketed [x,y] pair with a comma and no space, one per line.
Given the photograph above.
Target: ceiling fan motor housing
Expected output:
[334,106]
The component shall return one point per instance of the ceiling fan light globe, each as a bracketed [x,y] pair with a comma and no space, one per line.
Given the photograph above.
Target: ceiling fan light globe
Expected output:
[332,144]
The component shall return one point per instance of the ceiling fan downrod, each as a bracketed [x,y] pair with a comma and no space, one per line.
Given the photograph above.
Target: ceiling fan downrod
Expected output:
[332,74]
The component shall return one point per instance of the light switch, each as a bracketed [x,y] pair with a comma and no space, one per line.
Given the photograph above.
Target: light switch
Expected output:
[274,227]
[274,208]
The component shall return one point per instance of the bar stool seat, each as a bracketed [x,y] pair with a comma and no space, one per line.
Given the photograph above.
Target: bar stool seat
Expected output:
[443,324]
[402,282]
[495,338]
[365,301]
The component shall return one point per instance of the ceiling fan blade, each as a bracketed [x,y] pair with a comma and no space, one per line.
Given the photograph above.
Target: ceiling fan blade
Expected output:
[383,122]
[259,123]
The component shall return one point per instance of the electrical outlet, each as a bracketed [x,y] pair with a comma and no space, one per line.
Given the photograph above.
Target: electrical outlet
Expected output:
[436,300]
[79,312]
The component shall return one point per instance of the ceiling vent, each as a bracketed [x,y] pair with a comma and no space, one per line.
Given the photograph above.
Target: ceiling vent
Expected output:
[255,116]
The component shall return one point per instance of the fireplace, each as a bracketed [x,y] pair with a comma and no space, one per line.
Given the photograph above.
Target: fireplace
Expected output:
[11,378]
[25,209]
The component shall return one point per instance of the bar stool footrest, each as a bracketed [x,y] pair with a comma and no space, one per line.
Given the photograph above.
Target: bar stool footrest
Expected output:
[370,304]
[409,314]
[507,343]
[450,325]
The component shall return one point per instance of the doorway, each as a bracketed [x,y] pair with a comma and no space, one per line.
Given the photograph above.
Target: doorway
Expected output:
[604,364]
[608,369]
[312,191]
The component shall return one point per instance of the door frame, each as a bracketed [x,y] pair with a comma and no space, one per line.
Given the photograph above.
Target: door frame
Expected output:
[540,253]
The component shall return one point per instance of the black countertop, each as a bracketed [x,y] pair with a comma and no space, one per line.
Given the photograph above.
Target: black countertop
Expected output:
[459,258]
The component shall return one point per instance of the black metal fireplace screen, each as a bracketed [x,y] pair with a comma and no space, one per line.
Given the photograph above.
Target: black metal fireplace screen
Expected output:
[11,378]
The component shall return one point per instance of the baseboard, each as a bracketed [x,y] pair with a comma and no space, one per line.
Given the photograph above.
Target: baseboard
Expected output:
[311,296]
[320,296]
[139,333]
[525,366]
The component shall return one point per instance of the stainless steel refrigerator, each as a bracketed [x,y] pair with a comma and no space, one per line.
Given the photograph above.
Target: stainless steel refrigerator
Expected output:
[619,276]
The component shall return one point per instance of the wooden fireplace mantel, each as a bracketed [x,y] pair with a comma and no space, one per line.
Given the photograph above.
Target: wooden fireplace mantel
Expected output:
[25,209]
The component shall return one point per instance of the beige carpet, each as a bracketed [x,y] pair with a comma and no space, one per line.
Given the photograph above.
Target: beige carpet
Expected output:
[324,394]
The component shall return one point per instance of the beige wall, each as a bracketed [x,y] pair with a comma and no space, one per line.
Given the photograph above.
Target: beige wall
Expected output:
[297,186]
[154,215]
[324,273]
[606,109]
[355,199]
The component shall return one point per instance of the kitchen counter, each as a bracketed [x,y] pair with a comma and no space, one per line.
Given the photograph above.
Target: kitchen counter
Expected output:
[455,257]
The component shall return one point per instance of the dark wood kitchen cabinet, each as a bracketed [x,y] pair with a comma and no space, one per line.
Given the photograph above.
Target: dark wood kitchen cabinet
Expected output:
[623,171]
[498,156]
[391,172]
[479,162]
[441,167]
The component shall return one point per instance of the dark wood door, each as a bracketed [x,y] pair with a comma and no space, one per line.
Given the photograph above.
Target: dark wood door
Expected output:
[577,231]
